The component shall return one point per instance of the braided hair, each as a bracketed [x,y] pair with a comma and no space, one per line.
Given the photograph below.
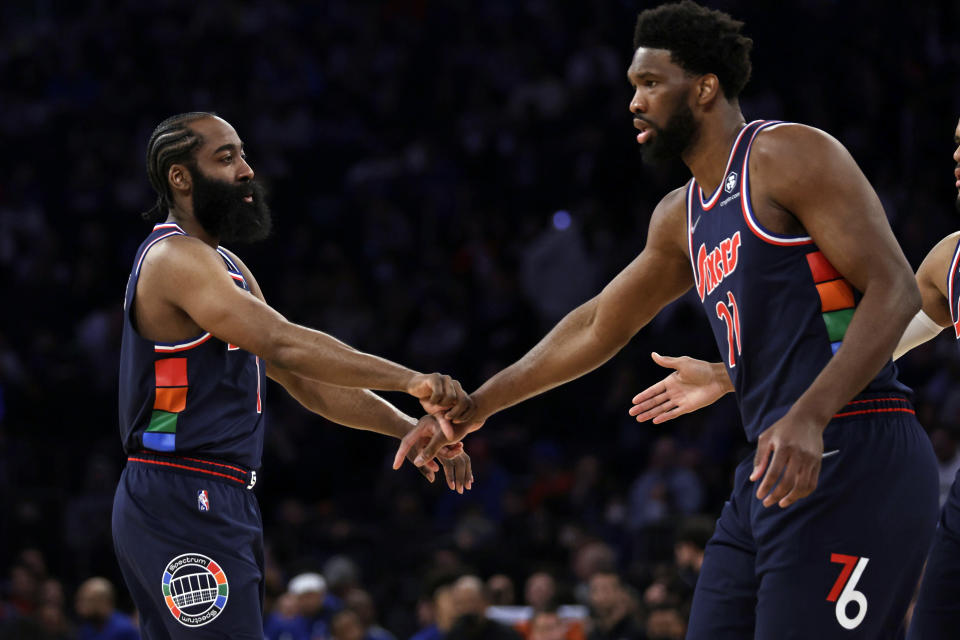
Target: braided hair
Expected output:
[171,142]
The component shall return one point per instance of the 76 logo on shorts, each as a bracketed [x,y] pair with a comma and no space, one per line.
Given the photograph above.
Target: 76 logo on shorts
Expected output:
[844,589]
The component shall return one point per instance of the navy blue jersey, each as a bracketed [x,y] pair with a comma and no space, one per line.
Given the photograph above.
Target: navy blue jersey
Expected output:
[953,290]
[201,396]
[777,307]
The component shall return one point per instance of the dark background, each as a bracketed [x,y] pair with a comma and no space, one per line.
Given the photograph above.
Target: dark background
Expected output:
[416,153]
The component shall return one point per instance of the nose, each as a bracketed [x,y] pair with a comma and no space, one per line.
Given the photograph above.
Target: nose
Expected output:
[245,171]
[637,104]
[956,156]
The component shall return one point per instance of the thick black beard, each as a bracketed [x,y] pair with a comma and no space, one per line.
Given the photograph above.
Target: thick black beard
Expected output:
[220,209]
[670,141]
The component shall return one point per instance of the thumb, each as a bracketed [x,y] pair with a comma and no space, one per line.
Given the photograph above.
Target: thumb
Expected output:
[430,451]
[446,426]
[668,362]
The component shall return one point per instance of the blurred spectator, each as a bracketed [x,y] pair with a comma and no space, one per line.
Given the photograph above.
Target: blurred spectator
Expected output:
[95,605]
[691,543]
[469,606]
[666,622]
[547,625]
[500,590]
[346,625]
[285,621]
[664,489]
[540,590]
[314,604]
[438,614]
[360,602]
[611,609]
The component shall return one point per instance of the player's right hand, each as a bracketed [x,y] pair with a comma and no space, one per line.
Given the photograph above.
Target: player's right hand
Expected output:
[439,393]
[692,385]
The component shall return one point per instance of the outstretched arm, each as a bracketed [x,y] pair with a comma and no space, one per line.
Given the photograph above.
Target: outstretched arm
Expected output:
[593,332]
[190,276]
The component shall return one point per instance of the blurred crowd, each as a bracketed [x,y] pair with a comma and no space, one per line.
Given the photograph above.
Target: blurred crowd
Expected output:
[448,179]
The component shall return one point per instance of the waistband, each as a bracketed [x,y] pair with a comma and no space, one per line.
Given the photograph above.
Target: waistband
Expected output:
[875,404]
[203,467]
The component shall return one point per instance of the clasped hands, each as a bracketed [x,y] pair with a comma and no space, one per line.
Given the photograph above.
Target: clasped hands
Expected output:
[450,415]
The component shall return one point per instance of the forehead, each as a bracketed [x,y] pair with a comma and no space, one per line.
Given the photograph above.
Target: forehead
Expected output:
[653,62]
[216,132]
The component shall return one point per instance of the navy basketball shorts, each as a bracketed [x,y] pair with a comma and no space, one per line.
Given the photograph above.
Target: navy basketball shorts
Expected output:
[936,615]
[843,562]
[189,540]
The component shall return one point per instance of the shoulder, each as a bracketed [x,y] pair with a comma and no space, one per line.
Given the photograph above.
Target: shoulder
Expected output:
[790,152]
[668,223]
[245,270]
[936,265]
[177,250]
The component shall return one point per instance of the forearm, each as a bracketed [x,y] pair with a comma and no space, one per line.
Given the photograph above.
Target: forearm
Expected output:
[354,408]
[572,348]
[874,331]
[921,329]
[321,357]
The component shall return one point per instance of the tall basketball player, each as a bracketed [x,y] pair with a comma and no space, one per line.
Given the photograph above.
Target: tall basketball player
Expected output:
[695,383]
[807,293]
[198,341]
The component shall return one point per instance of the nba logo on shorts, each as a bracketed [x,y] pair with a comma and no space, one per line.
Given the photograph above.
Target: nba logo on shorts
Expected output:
[194,589]
[203,500]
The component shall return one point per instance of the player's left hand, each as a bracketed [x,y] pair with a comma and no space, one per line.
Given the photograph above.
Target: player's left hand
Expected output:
[789,453]
[439,393]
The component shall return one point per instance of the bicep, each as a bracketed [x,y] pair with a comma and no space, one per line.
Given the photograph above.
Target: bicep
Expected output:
[195,281]
[933,278]
[813,177]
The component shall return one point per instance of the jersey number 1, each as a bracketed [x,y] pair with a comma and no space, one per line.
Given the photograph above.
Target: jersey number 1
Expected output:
[731,318]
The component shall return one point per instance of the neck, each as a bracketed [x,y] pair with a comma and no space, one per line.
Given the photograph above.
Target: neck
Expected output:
[193,228]
[707,157]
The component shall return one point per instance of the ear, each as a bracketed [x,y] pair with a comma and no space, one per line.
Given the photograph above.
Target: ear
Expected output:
[707,87]
[179,179]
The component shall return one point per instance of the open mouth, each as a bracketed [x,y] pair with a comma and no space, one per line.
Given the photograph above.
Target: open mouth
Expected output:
[248,199]
[644,128]
[956,174]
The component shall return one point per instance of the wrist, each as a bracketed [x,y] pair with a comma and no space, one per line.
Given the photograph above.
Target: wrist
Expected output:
[721,377]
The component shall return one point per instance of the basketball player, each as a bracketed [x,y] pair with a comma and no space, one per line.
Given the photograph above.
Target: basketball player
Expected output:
[198,341]
[695,383]
[776,216]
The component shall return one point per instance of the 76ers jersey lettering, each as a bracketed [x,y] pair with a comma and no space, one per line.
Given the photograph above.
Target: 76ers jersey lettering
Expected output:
[777,308]
[200,396]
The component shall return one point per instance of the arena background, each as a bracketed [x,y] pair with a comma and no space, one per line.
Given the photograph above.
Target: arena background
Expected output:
[448,179]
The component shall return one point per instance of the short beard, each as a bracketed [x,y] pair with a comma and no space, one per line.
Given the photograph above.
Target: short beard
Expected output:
[220,209]
[672,140]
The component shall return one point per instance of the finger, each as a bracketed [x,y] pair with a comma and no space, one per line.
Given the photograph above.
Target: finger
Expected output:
[788,480]
[650,392]
[777,464]
[450,451]
[806,484]
[406,443]
[653,412]
[461,474]
[429,452]
[463,403]
[448,471]
[468,471]
[651,402]
[446,428]
[426,473]
[676,412]
[436,389]
[760,459]
[668,362]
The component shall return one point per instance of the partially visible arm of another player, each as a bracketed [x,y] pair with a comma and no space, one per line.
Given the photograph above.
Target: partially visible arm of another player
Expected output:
[193,279]
[805,172]
[932,279]
[695,383]
[593,332]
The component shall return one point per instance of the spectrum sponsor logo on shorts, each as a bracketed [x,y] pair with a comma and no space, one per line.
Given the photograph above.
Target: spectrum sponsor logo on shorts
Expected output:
[194,588]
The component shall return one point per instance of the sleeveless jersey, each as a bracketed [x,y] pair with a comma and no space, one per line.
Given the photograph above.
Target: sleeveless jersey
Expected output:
[953,290]
[777,307]
[201,396]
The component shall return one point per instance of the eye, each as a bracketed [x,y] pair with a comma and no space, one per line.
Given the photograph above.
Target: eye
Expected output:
[651,84]
[227,159]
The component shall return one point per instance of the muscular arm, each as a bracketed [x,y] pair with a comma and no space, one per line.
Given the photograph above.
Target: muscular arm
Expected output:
[190,276]
[593,332]
[809,174]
